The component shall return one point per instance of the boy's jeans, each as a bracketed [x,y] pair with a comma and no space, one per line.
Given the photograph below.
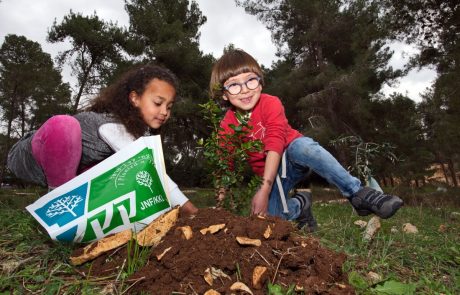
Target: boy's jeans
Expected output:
[304,154]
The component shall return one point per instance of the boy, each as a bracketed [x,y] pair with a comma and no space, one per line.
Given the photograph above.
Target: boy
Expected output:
[239,81]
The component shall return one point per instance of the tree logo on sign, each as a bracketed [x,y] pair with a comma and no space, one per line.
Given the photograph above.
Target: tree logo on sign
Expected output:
[143,178]
[64,205]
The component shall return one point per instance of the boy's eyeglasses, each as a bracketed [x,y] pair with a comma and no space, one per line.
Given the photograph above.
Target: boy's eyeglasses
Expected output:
[235,88]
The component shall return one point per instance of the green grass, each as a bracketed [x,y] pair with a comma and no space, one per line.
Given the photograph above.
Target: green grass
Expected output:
[428,261]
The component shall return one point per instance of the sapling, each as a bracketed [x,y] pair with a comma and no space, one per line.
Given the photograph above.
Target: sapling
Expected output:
[364,153]
[227,155]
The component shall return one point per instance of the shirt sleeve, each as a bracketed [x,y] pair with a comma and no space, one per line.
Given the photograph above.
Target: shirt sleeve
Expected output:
[275,122]
[115,135]
[177,197]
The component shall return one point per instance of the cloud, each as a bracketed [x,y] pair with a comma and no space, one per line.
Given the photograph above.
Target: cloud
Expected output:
[225,24]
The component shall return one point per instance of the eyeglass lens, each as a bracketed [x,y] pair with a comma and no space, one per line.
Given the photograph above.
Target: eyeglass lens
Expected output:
[236,88]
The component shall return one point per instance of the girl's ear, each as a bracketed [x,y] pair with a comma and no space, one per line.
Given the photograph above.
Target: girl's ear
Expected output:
[225,97]
[133,98]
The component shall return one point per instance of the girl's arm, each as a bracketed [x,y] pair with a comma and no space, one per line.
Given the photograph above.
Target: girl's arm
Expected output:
[260,199]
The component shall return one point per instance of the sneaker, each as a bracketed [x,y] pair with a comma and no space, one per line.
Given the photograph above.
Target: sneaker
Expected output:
[368,200]
[306,215]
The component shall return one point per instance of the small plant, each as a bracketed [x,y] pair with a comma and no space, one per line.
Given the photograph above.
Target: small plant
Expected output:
[227,156]
[364,153]
[136,257]
[276,289]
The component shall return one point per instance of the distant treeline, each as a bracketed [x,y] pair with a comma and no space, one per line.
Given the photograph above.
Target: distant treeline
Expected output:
[333,62]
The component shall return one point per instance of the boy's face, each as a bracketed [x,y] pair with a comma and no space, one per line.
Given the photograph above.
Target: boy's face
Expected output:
[247,98]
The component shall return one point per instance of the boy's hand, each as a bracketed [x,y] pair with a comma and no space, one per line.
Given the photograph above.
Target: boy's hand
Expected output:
[260,203]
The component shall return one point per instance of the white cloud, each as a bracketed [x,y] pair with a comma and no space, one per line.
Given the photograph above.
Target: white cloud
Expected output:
[416,81]
[225,24]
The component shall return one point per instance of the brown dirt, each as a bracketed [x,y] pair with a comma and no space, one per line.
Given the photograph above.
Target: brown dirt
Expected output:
[288,257]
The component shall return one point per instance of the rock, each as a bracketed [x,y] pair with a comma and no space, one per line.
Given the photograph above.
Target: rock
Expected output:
[455,215]
[373,277]
[409,228]
[373,226]
[360,223]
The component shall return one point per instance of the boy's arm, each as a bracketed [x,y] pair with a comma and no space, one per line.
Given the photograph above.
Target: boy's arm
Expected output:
[260,199]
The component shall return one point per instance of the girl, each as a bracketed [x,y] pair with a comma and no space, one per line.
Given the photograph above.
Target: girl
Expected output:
[239,80]
[138,104]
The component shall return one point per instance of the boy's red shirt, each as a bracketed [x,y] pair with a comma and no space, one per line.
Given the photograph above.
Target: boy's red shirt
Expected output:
[269,124]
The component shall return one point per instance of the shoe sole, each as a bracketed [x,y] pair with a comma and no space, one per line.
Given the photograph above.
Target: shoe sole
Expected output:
[392,212]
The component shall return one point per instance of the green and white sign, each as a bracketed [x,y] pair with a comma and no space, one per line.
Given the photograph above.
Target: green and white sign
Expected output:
[127,190]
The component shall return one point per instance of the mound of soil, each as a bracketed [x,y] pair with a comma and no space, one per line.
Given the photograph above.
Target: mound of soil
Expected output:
[180,266]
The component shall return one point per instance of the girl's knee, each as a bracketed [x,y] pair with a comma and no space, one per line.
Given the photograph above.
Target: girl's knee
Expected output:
[65,125]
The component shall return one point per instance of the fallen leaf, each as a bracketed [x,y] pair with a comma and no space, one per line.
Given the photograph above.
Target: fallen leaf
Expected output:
[163,254]
[186,231]
[248,241]
[394,229]
[212,229]
[238,286]
[97,248]
[258,276]
[152,234]
[268,232]
[208,277]
[211,292]
[442,228]
[212,273]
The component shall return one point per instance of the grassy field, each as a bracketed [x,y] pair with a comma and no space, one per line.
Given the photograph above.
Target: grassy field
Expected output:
[427,262]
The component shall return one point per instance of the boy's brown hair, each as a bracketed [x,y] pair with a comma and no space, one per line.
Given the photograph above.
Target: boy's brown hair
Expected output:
[232,63]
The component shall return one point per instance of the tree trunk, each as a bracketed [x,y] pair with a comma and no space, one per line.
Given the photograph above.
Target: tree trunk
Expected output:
[450,164]
[84,80]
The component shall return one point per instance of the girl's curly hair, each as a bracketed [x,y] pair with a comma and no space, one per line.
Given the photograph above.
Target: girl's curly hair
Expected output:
[115,100]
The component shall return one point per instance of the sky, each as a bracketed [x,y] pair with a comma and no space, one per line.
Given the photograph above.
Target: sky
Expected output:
[225,24]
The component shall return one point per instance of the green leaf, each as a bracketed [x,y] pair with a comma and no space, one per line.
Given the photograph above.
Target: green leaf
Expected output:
[395,288]
[357,281]
[274,289]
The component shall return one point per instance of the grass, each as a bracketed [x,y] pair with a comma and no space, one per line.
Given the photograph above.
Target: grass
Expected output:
[427,262]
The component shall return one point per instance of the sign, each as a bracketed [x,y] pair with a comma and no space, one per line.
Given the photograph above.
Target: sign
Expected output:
[126,190]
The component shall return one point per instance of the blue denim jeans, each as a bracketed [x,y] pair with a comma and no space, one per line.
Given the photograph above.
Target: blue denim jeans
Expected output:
[304,154]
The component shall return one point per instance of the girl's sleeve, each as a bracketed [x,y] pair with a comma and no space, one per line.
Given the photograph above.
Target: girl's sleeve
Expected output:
[177,197]
[115,135]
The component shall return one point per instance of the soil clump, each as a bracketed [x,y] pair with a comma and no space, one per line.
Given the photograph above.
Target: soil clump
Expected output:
[194,257]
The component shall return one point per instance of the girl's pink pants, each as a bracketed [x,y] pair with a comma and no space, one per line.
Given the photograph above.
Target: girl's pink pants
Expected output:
[56,147]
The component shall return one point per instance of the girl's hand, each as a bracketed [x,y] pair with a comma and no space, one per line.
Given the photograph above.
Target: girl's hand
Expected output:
[260,203]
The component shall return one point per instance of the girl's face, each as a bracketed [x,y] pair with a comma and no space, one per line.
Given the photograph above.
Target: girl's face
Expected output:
[247,98]
[155,103]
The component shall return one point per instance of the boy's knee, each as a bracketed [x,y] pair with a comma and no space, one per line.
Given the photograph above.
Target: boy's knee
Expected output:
[302,146]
